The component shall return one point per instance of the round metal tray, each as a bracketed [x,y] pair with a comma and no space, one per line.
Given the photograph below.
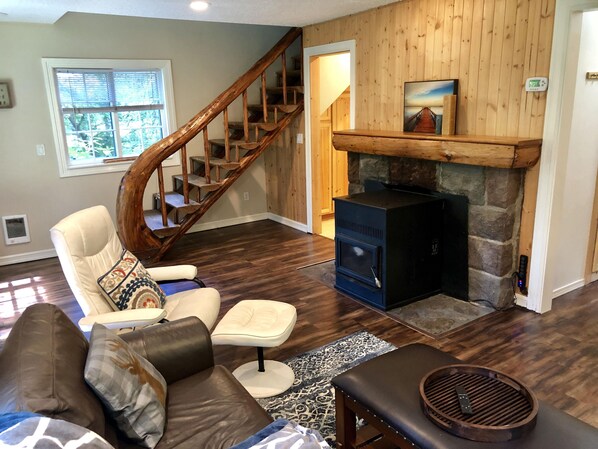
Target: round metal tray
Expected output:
[503,408]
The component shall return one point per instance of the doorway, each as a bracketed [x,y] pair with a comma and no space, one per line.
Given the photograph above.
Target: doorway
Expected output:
[547,253]
[330,106]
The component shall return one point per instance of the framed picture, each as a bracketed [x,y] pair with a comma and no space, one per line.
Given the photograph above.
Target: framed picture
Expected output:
[423,105]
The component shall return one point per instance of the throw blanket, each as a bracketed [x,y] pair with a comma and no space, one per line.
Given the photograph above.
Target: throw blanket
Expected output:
[283,434]
[47,433]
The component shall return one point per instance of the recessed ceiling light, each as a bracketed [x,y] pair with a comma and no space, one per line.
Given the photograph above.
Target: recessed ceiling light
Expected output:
[199,5]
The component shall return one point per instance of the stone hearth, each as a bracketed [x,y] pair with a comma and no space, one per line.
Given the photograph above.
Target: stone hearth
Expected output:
[495,197]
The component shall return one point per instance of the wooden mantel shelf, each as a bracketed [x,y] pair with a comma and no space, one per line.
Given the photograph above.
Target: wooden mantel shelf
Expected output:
[500,152]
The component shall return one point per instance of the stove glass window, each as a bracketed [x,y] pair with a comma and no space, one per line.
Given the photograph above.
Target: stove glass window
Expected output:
[358,260]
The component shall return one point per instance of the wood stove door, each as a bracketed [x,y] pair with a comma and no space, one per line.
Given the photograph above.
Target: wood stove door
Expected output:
[358,260]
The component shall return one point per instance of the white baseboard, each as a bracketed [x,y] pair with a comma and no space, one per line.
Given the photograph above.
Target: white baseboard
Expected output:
[521,300]
[229,222]
[47,253]
[27,257]
[568,288]
[287,222]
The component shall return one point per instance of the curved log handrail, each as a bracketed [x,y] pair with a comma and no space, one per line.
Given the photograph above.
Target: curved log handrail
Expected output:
[133,230]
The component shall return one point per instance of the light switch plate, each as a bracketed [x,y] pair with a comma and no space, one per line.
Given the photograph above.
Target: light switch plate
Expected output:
[5,96]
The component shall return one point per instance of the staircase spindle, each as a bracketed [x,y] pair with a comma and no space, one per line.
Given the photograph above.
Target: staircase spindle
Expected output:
[226,137]
[206,149]
[162,196]
[185,174]
[245,119]
[264,102]
[284,77]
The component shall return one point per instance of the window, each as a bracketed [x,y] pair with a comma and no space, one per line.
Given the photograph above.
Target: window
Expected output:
[107,110]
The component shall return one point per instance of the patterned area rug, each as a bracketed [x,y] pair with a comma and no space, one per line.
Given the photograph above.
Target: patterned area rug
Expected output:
[310,401]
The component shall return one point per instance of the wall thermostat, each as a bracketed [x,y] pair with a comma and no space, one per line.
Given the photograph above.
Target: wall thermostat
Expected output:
[16,229]
[536,84]
[5,96]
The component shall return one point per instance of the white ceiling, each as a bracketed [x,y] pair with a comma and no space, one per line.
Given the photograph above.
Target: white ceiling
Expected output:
[261,12]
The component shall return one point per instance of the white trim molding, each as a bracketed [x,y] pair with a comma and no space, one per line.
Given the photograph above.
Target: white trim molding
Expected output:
[552,160]
[308,53]
[27,257]
[229,222]
[568,288]
[49,66]
[249,219]
[48,253]
[287,222]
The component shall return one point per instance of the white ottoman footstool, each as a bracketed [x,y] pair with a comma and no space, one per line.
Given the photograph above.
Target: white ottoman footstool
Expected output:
[263,324]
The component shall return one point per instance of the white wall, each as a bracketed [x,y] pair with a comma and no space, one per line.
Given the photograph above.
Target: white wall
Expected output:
[582,166]
[335,77]
[206,59]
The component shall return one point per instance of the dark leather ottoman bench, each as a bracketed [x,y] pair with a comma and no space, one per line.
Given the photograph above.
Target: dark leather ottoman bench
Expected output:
[384,391]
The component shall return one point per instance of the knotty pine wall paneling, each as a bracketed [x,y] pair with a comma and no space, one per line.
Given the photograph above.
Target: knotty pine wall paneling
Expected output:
[490,46]
[285,175]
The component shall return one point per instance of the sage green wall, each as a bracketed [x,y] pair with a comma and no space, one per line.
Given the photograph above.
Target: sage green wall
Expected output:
[206,58]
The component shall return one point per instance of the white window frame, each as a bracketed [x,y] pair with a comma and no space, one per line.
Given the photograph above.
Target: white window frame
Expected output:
[50,64]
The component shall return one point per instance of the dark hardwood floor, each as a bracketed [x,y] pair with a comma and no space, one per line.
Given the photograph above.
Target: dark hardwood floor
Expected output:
[556,354]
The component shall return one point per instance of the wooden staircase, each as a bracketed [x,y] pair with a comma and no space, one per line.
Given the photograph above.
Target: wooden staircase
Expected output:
[205,178]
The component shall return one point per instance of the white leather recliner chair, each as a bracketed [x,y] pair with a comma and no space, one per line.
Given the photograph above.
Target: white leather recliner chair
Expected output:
[88,246]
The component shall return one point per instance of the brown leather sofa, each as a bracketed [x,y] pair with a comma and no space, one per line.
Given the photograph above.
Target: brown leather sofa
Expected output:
[41,370]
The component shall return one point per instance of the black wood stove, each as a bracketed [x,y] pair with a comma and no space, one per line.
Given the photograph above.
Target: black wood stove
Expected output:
[388,246]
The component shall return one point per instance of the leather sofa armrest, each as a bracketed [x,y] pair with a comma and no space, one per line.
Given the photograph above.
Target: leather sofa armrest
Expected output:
[177,349]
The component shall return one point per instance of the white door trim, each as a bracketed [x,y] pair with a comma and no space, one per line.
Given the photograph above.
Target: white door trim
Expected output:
[553,154]
[308,53]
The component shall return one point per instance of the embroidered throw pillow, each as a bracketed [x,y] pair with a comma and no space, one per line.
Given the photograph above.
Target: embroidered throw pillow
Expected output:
[133,391]
[129,285]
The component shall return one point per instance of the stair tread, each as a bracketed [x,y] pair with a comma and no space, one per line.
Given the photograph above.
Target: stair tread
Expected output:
[285,108]
[293,72]
[176,200]
[251,145]
[298,89]
[153,219]
[199,182]
[267,126]
[214,161]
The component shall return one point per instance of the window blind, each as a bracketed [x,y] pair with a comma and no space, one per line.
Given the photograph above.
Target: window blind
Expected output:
[94,90]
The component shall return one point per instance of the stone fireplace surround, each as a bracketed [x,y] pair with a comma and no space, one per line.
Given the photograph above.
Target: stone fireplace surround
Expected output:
[495,197]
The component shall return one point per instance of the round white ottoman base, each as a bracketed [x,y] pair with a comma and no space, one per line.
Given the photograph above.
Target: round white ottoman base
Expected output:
[276,379]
